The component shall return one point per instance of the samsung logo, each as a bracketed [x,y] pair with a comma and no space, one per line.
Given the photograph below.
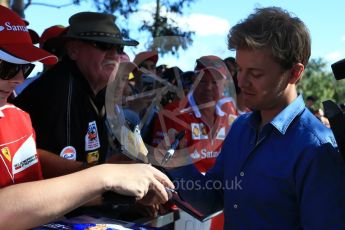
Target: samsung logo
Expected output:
[10,27]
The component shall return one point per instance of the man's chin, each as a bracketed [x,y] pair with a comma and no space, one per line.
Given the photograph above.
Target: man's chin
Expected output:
[109,67]
[204,101]
[250,105]
[108,72]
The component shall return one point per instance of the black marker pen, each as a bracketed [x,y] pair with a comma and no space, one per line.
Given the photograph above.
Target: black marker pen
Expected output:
[168,155]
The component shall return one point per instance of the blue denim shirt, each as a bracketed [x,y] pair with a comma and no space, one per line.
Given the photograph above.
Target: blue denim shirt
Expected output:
[288,175]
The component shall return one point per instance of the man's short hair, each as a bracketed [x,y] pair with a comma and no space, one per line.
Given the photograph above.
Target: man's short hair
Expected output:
[274,28]
[311,98]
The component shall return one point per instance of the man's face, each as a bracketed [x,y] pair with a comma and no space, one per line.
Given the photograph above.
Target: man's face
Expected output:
[7,86]
[149,65]
[310,103]
[209,88]
[263,82]
[11,75]
[232,67]
[96,64]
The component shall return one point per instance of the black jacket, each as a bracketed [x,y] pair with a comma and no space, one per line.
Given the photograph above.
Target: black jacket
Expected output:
[60,106]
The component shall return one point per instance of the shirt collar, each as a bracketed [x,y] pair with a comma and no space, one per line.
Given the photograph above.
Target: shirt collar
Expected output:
[222,101]
[196,110]
[193,105]
[283,120]
[5,107]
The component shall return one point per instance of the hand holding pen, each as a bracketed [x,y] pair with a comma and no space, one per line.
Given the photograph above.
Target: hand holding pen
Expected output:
[170,152]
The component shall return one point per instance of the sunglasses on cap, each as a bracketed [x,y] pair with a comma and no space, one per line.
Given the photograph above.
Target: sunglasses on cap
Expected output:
[106,46]
[10,70]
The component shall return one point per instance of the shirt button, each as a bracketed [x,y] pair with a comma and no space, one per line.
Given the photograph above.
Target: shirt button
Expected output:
[235,206]
[242,173]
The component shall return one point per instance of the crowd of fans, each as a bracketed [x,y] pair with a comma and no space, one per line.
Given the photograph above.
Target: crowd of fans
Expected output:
[67,107]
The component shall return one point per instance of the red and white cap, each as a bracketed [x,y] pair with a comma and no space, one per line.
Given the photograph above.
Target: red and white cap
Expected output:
[15,42]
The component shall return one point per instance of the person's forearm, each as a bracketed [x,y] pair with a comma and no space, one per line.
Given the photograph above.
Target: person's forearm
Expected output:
[53,165]
[32,204]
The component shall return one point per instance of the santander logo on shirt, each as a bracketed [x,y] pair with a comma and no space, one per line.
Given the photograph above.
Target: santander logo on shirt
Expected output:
[9,27]
[203,154]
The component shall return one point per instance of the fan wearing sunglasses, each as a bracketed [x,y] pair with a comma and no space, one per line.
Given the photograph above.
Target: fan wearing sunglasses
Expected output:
[11,75]
[69,115]
[28,200]
[10,70]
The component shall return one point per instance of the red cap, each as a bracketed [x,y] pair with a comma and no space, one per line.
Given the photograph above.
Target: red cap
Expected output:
[15,42]
[33,34]
[147,55]
[51,32]
[212,62]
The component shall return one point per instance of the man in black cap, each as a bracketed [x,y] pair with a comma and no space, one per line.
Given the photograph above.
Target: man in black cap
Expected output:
[67,103]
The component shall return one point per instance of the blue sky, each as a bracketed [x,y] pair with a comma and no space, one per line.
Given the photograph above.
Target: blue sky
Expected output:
[212,19]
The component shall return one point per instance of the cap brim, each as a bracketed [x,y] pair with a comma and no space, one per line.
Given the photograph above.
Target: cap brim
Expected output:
[124,42]
[34,36]
[212,71]
[25,53]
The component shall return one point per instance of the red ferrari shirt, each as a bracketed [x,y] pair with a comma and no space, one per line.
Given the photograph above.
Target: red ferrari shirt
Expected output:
[18,155]
[203,142]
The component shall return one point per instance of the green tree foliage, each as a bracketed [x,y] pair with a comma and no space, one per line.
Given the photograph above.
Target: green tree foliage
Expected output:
[318,82]
[122,8]
[165,35]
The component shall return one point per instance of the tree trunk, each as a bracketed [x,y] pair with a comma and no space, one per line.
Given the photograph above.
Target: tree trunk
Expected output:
[157,16]
[18,7]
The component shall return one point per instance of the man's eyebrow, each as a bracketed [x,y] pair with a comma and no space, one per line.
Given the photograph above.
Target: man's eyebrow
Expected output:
[251,69]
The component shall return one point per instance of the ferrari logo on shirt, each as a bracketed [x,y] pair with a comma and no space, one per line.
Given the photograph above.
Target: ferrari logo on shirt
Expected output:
[203,130]
[221,134]
[6,152]
[231,119]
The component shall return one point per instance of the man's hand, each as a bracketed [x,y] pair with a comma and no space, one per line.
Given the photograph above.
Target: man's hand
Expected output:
[142,181]
[179,158]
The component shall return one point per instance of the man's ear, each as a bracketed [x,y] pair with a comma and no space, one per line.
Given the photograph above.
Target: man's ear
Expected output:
[72,49]
[296,73]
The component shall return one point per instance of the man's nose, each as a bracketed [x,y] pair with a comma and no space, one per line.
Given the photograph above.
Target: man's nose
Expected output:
[112,52]
[242,79]
[209,86]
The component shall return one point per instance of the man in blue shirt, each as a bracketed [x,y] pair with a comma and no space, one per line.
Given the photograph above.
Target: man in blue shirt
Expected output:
[279,167]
